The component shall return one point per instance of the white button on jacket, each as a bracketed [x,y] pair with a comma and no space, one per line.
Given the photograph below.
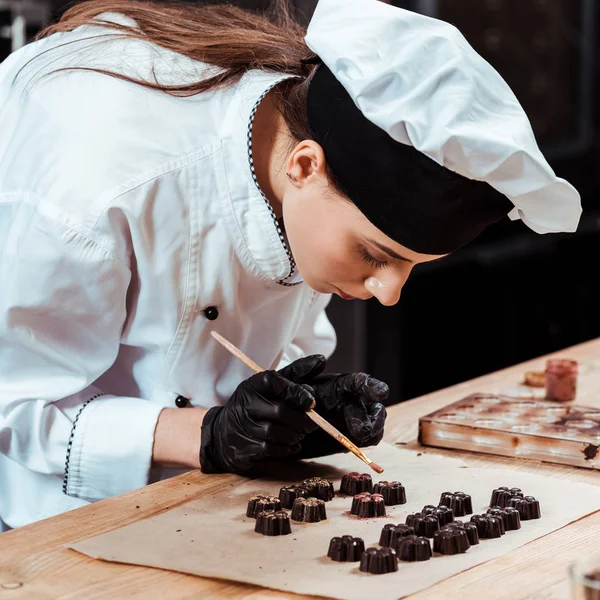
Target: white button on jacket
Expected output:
[124,214]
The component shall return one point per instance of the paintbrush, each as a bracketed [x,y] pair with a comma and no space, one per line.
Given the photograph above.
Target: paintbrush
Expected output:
[318,419]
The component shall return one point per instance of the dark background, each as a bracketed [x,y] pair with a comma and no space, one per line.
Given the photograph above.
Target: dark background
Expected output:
[511,295]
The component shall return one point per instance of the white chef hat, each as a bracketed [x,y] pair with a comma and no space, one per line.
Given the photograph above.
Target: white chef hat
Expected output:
[417,79]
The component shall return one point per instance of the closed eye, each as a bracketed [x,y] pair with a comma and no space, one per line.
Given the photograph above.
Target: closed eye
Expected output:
[371,260]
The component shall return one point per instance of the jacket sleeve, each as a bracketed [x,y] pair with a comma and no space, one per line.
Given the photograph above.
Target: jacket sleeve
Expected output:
[315,336]
[62,310]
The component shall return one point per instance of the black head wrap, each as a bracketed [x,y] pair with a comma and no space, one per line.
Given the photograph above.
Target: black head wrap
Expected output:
[408,196]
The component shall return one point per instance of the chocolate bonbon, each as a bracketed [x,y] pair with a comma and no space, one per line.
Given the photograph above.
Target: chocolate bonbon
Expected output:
[528,507]
[391,533]
[459,502]
[367,505]
[346,548]
[424,525]
[288,493]
[260,503]
[413,548]
[309,510]
[501,496]
[450,540]
[443,513]
[379,561]
[510,516]
[355,483]
[469,528]
[488,526]
[319,487]
[393,492]
[273,522]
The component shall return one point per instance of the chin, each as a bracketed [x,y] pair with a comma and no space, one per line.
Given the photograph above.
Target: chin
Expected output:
[318,286]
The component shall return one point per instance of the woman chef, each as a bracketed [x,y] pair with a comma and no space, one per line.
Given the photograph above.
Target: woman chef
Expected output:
[169,170]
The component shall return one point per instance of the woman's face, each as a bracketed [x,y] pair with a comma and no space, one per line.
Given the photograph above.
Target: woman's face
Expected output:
[337,249]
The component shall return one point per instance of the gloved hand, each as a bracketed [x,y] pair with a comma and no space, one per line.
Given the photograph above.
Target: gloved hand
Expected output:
[265,418]
[351,402]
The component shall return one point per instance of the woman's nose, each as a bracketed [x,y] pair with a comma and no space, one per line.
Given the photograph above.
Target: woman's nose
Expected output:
[387,290]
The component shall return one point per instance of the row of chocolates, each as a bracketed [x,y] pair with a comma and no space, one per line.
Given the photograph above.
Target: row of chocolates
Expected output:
[271,519]
[307,502]
[411,541]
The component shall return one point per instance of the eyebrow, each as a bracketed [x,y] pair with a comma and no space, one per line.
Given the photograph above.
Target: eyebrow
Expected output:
[388,251]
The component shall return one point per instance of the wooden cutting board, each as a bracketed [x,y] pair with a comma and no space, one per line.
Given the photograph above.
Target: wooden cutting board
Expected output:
[524,428]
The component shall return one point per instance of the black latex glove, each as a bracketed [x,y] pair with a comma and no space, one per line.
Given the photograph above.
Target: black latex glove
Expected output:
[351,402]
[264,419]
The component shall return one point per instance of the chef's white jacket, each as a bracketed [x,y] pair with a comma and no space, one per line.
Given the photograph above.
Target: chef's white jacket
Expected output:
[124,214]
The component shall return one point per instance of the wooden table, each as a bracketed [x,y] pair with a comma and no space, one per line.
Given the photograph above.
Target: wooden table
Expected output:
[35,565]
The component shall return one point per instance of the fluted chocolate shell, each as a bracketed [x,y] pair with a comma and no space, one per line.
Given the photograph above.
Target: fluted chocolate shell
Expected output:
[273,522]
[450,540]
[367,505]
[319,487]
[391,533]
[356,483]
[528,507]
[288,493]
[260,503]
[393,492]
[488,526]
[469,528]
[501,496]
[346,548]
[428,509]
[309,510]
[413,548]
[444,514]
[510,516]
[379,561]
[459,502]
[424,525]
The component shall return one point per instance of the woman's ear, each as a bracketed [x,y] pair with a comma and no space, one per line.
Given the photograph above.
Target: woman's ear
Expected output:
[306,164]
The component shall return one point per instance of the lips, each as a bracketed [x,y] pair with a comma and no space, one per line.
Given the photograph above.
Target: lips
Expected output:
[344,296]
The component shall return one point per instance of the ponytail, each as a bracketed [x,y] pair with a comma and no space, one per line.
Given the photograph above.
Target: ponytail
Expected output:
[230,38]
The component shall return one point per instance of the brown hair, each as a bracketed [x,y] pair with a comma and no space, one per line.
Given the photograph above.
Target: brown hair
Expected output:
[233,39]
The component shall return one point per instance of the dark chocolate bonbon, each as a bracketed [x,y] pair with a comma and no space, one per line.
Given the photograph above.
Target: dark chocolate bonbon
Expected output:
[510,516]
[488,526]
[528,507]
[428,509]
[459,502]
[356,483]
[379,561]
[393,492]
[424,525]
[346,548]
[273,522]
[319,487]
[391,533]
[367,505]
[413,548]
[501,496]
[288,493]
[309,510]
[469,528]
[450,540]
[260,503]
[443,513]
